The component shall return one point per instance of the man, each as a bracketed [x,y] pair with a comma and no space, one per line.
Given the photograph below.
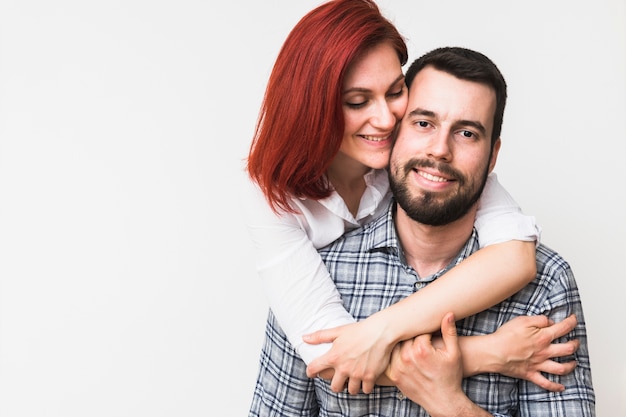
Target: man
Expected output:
[447,144]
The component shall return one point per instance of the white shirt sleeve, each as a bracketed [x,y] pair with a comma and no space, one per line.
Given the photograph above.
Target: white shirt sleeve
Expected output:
[299,289]
[500,219]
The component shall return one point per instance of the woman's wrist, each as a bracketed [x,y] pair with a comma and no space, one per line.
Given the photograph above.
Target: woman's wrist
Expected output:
[479,355]
[388,328]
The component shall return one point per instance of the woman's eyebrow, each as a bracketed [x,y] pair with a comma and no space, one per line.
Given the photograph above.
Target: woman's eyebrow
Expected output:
[365,90]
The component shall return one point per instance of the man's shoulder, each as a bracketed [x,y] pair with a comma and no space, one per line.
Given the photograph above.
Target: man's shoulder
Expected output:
[555,278]
[550,261]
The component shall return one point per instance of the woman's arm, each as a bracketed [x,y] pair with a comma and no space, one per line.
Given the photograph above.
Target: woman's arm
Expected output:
[360,351]
[297,285]
[304,298]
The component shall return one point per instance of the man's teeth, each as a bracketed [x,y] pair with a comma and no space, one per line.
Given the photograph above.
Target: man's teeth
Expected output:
[431,177]
[374,138]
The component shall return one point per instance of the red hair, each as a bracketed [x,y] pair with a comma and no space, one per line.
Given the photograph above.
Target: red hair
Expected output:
[300,125]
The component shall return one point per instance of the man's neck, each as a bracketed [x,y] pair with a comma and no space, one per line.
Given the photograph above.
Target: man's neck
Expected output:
[429,249]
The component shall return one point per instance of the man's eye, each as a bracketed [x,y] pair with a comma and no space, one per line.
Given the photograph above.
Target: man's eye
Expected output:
[467,133]
[422,123]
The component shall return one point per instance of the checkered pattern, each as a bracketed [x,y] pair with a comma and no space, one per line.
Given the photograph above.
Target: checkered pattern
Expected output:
[371,274]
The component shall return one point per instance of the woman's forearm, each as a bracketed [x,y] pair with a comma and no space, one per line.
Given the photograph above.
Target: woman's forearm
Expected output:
[486,278]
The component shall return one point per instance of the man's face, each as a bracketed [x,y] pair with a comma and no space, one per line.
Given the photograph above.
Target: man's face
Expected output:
[442,155]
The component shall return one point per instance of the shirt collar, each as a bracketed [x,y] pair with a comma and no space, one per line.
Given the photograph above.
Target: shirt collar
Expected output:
[382,236]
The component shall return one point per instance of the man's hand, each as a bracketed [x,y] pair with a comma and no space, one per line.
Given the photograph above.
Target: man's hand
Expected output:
[431,376]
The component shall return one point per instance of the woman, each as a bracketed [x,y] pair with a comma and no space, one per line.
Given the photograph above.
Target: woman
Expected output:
[318,162]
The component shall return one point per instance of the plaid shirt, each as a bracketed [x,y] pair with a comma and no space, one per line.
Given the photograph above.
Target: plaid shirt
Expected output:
[370,272]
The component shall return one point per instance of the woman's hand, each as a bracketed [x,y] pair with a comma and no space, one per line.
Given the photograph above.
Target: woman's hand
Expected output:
[522,348]
[358,356]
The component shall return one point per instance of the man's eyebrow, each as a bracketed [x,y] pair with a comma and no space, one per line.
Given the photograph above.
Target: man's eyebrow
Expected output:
[429,113]
[471,123]
[421,112]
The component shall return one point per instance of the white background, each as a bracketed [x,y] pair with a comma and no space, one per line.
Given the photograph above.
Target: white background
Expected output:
[127,285]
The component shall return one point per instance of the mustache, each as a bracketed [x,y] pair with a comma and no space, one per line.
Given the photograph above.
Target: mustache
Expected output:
[446,169]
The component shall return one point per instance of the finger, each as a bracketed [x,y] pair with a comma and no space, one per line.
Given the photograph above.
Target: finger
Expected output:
[396,362]
[407,349]
[420,346]
[448,333]
[339,382]
[368,386]
[354,386]
[563,327]
[568,348]
[556,368]
[325,374]
[545,383]
[321,336]
[317,366]
[395,352]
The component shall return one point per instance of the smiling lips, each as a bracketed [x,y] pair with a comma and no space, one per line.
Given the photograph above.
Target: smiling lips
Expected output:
[431,177]
[375,138]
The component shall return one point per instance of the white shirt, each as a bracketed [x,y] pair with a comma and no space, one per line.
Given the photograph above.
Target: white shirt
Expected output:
[300,291]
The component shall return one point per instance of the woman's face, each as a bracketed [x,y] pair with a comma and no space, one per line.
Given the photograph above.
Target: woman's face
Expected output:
[374,100]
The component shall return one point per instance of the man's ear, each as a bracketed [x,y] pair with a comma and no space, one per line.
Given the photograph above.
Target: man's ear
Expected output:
[494,154]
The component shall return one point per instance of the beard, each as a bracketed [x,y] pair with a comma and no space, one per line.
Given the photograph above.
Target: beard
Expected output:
[430,208]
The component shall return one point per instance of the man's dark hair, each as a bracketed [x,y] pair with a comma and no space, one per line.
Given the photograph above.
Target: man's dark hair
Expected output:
[470,65]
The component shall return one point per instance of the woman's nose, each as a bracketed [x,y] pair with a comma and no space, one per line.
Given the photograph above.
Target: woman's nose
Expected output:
[383,117]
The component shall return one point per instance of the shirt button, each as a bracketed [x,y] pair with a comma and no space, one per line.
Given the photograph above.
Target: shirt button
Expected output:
[401,396]
[418,285]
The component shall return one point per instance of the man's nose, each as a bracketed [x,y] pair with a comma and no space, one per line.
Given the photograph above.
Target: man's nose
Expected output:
[439,145]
